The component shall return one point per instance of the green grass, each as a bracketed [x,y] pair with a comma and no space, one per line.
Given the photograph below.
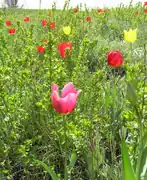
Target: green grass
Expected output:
[112,104]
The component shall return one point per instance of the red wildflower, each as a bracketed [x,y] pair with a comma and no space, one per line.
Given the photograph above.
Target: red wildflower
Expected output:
[49,15]
[8,23]
[44,22]
[75,10]
[12,31]
[137,12]
[41,49]
[99,11]
[45,41]
[63,47]
[145,3]
[52,25]
[145,10]
[88,19]
[115,58]
[26,19]
[105,10]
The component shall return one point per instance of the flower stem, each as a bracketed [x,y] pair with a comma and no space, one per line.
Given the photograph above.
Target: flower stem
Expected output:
[65,149]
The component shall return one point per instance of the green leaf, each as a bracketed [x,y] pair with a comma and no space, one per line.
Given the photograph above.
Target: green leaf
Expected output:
[143,165]
[131,94]
[144,140]
[142,145]
[48,169]
[128,172]
[73,160]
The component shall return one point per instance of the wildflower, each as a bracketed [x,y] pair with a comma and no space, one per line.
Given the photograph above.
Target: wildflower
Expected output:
[99,11]
[12,31]
[41,49]
[137,12]
[115,58]
[88,19]
[145,3]
[75,10]
[130,36]
[67,30]
[63,47]
[105,10]
[52,25]
[67,102]
[44,22]
[45,41]
[145,10]
[26,19]
[8,23]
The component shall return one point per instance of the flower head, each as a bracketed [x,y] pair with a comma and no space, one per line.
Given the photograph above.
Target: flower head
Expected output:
[12,31]
[67,30]
[130,36]
[67,102]
[44,22]
[115,58]
[26,19]
[8,23]
[41,49]
[137,12]
[45,41]
[63,47]
[88,19]
[52,25]
[145,10]
[99,10]
[145,3]
[75,10]
[105,10]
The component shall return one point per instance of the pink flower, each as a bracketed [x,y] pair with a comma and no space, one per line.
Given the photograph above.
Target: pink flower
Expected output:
[67,102]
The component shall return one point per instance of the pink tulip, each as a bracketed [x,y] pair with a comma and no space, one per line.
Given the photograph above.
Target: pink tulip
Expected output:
[67,102]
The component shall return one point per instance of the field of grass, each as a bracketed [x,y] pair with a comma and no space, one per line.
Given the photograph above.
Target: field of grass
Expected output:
[98,134]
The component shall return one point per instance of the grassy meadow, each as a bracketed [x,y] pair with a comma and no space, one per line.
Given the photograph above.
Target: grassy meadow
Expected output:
[99,135]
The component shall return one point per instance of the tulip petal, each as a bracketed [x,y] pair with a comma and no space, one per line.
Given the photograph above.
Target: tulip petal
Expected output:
[54,87]
[68,88]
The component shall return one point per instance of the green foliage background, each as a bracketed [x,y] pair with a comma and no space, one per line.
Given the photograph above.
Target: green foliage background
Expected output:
[112,101]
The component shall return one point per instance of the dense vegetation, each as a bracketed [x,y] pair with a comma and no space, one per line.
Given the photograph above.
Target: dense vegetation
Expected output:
[105,136]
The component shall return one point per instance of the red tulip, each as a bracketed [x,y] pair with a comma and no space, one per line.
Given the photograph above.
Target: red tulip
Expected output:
[45,41]
[88,19]
[52,25]
[26,19]
[145,10]
[41,49]
[99,11]
[44,22]
[115,58]
[63,47]
[75,10]
[8,23]
[67,102]
[145,3]
[105,10]
[12,31]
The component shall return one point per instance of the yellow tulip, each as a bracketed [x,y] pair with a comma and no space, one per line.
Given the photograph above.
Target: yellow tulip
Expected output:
[130,36]
[67,30]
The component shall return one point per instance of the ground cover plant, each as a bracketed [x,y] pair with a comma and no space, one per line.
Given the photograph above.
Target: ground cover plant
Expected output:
[73,93]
